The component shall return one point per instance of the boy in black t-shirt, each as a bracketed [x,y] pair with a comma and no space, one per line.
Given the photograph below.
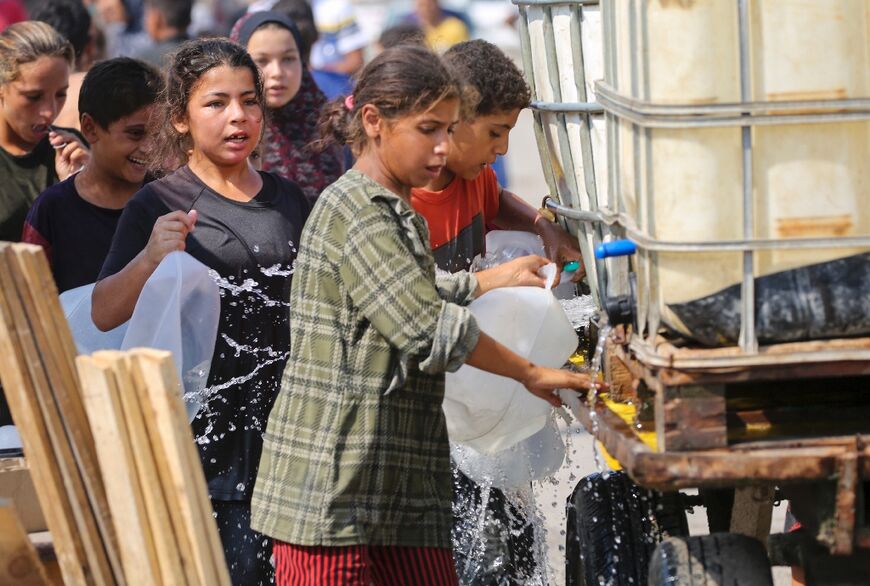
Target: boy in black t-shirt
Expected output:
[75,220]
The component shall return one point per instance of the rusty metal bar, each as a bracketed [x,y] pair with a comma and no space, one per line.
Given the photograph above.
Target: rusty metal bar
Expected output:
[718,467]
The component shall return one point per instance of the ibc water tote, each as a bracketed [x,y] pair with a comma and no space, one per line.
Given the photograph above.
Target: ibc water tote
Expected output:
[488,412]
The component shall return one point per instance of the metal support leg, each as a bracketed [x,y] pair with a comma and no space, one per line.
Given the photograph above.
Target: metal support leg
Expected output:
[752,512]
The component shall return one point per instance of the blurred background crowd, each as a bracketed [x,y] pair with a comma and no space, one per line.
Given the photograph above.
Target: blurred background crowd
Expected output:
[338,36]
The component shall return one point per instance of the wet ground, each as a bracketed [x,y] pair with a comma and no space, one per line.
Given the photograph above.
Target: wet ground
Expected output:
[583,464]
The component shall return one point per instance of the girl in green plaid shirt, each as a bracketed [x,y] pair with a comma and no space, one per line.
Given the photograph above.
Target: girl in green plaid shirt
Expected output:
[354,481]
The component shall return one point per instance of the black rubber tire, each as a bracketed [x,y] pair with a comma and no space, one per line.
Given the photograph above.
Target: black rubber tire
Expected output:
[613,527]
[721,559]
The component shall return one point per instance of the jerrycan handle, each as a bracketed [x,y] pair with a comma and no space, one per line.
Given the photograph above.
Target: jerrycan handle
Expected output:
[615,248]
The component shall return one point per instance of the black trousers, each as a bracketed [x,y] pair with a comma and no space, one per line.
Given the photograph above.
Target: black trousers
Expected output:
[248,553]
[497,552]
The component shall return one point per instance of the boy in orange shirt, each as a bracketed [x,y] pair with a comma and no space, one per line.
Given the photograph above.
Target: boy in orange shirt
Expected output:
[465,199]
[459,205]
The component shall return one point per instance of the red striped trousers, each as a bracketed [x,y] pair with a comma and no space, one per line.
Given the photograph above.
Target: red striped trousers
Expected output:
[363,565]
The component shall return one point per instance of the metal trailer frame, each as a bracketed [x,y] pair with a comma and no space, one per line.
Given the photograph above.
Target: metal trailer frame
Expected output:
[843,461]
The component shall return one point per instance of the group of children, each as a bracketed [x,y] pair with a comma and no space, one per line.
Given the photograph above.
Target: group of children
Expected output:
[349,482]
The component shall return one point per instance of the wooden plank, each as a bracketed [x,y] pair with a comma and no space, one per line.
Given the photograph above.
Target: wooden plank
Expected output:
[16,484]
[181,471]
[675,366]
[117,459]
[827,370]
[801,421]
[845,503]
[623,386]
[19,562]
[665,348]
[146,464]
[44,546]
[39,297]
[691,418]
[25,404]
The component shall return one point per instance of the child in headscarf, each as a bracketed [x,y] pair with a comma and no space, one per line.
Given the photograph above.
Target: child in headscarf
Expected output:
[294,103]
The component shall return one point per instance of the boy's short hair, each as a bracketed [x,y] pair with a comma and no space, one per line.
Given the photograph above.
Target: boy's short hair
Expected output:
[118,87]
[484,68]
[402,34]
[68,17]
[176,12]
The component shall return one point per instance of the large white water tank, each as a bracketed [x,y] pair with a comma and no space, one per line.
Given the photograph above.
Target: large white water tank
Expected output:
[809,180]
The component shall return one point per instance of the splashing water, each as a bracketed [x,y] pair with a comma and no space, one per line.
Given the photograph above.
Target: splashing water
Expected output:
[579,310]
[248,286]
[498,535]
[276,270]
[604,330]
[239,348]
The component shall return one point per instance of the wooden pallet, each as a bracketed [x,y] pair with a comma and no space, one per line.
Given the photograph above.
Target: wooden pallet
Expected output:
[699,408]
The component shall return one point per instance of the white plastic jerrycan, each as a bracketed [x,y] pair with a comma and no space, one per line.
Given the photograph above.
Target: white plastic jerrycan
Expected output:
[488,412]
[534,458]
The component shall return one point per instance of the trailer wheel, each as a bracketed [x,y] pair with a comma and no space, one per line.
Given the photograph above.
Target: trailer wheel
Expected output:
[710,560]
[613,527]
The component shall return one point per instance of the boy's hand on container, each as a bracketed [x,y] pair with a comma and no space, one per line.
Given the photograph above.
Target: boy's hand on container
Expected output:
[520,272]
[71,155]
[561,247]
[542,381]
[169,234]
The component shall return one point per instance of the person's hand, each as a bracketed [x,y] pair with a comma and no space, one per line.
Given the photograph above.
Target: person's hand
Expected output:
[542,381]
[70,154]
[561,247]
[169,234]
[520,272]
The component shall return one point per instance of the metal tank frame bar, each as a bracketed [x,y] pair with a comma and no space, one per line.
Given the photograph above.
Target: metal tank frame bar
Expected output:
[608,217]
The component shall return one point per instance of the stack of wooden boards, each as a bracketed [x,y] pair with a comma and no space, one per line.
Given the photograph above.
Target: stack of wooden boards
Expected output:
[112,457]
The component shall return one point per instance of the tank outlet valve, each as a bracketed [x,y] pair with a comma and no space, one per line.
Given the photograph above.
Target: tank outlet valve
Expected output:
[615,248]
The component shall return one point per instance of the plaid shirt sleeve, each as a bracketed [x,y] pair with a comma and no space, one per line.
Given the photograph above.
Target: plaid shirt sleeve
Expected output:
[458,287]
[392,290]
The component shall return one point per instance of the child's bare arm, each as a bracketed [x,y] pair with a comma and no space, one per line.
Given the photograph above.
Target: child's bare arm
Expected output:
[114,297]
[493,357]
[515,214]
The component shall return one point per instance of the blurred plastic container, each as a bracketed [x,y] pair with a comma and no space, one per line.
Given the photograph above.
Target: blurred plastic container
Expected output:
[488,412]
[178,310]
[505,245]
